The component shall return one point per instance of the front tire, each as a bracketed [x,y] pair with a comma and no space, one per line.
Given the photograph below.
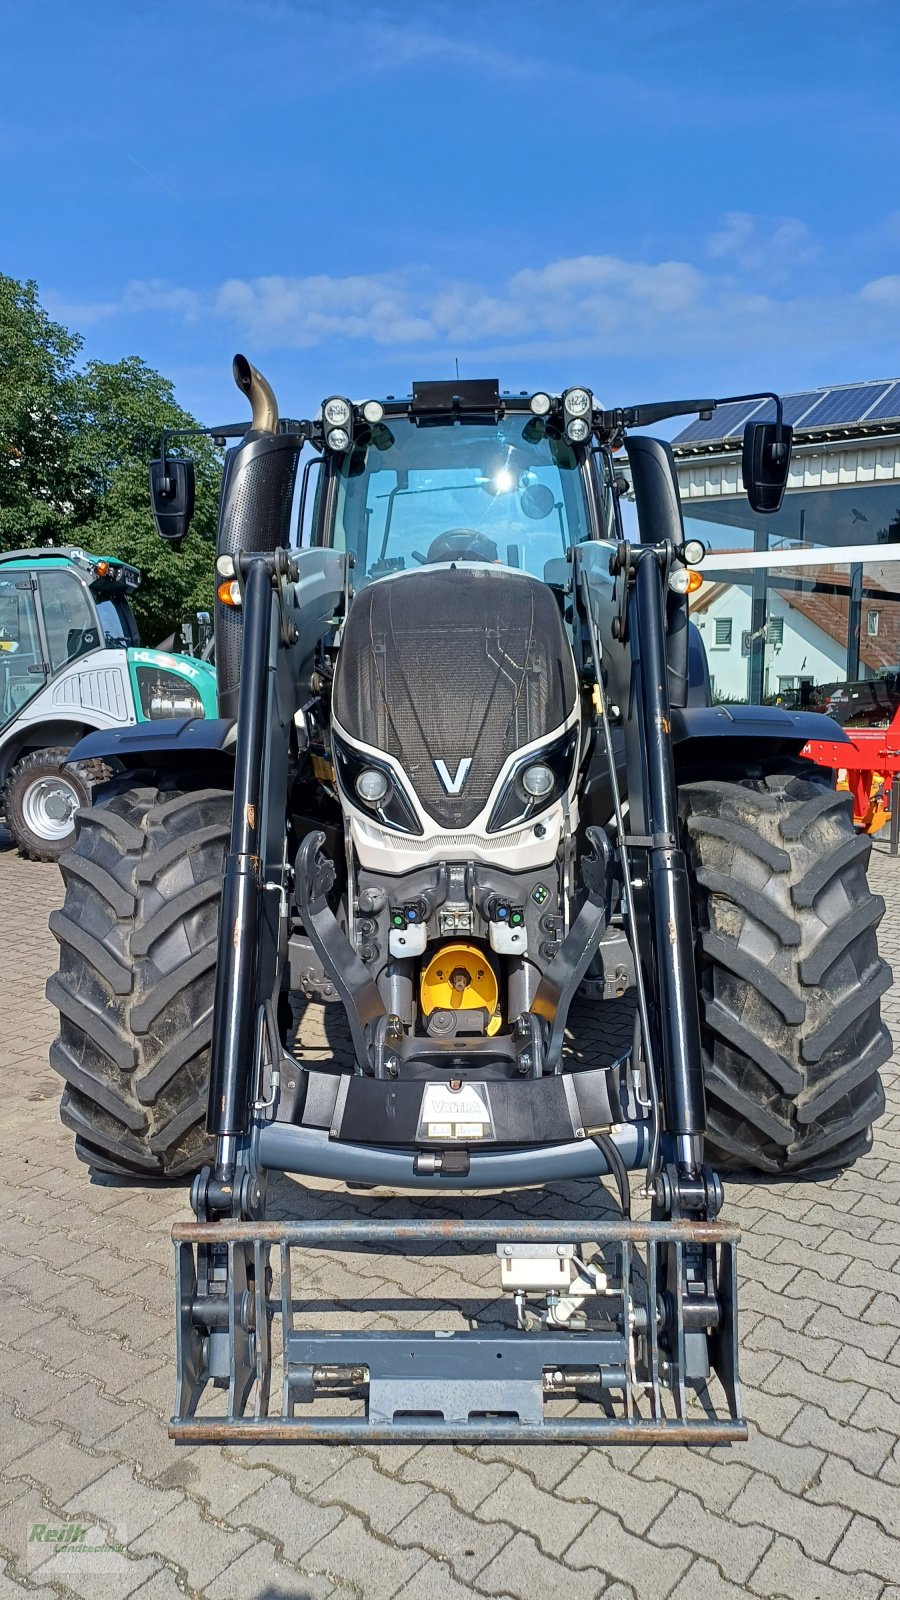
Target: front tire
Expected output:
[43,792]
[138,936]
[789,973]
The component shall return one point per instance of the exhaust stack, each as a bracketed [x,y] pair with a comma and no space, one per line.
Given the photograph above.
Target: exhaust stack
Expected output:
[260,394]
[254,510]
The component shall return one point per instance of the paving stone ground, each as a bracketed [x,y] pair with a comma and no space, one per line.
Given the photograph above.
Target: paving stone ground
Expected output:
[809,1507]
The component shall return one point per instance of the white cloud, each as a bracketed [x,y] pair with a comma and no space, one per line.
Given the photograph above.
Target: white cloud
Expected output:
[882,292]
[141,295]
[156,295]
[298,312]
[764,247]
[593,295]
[599,305]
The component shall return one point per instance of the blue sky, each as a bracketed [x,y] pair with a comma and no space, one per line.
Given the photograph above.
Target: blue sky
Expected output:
[651,198]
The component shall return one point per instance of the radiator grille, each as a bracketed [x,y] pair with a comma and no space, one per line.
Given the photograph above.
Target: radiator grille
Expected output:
[455,665]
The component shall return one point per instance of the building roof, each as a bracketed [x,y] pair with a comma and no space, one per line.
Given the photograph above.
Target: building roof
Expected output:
[842,411]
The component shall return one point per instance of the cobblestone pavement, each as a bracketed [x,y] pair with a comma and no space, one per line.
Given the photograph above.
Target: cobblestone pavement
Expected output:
[810,1507]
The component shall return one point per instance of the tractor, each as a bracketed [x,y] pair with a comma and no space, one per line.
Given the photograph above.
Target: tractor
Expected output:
[71,660]
[466,791]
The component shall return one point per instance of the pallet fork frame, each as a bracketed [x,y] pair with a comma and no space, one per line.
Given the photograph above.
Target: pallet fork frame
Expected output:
[423,1387]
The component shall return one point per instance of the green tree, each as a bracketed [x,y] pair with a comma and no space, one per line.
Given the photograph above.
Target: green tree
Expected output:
[124,407]
[39,412]
[74,448]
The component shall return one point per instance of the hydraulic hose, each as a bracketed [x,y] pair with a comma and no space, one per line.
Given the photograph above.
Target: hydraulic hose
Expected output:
[617,1168]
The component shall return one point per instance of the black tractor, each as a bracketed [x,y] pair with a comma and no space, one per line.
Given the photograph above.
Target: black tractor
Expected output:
[467,786]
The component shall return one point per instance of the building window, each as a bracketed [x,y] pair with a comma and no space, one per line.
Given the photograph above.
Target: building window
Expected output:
[723,632]
[873,620]
[775,631]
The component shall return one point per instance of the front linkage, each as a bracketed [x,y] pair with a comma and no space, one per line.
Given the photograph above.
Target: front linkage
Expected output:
[630,1327]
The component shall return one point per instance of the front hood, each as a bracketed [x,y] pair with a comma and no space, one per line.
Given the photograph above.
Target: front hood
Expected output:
[450,670]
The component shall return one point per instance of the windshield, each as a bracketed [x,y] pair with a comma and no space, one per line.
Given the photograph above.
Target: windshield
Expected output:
[504,491]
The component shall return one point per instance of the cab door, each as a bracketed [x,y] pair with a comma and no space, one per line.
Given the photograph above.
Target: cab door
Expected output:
[68,616]
[24,668]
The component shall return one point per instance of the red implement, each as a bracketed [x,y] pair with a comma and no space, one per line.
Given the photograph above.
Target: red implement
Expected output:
[870,761]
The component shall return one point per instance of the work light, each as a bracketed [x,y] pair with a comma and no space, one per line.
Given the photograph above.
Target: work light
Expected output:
[578,402]
[336,412]
[337,416]
[577,430]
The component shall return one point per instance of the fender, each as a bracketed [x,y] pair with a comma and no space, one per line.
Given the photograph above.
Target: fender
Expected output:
[61,733]
[756,733]
[170,742]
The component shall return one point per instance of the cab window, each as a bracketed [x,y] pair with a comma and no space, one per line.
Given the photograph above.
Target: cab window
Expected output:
[69,619]
[21,667]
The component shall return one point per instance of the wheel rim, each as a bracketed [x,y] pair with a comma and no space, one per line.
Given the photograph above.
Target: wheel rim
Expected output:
[49,805]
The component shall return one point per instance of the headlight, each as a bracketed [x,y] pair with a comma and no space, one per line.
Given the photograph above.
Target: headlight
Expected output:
[373,411]
[372,785]
[577,402]
[540,404]
[577,430]
[537,781]
[360,777]
[337,439]
[337,412]
[694,551]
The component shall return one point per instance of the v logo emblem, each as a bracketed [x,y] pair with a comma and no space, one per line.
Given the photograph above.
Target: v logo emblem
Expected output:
[453,785]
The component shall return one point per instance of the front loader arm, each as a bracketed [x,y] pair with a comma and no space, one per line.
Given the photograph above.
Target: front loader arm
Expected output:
[653,865]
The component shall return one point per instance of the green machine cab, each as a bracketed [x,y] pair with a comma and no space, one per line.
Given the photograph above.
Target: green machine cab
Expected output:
[71,662]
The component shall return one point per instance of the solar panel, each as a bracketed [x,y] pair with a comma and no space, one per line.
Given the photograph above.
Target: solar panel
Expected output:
[796,406]
[813,408]
[844,405]
[888,405]
[725,423]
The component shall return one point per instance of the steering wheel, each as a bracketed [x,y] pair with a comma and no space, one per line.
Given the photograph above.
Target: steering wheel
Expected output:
[462,544]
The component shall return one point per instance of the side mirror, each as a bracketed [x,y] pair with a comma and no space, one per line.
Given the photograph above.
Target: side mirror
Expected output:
[172,490]
[765,463]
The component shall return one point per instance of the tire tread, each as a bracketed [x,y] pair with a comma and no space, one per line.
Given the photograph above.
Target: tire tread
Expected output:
[134,990]
[789,973]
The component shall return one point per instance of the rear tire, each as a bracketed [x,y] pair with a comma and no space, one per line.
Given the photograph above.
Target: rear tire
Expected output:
[138,936]
[42,796]
[789,973]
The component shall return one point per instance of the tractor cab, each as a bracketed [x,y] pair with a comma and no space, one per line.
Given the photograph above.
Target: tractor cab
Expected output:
[500,480]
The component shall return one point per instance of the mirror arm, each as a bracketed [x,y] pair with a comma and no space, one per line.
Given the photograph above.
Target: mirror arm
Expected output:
[778,447]
[167,487]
